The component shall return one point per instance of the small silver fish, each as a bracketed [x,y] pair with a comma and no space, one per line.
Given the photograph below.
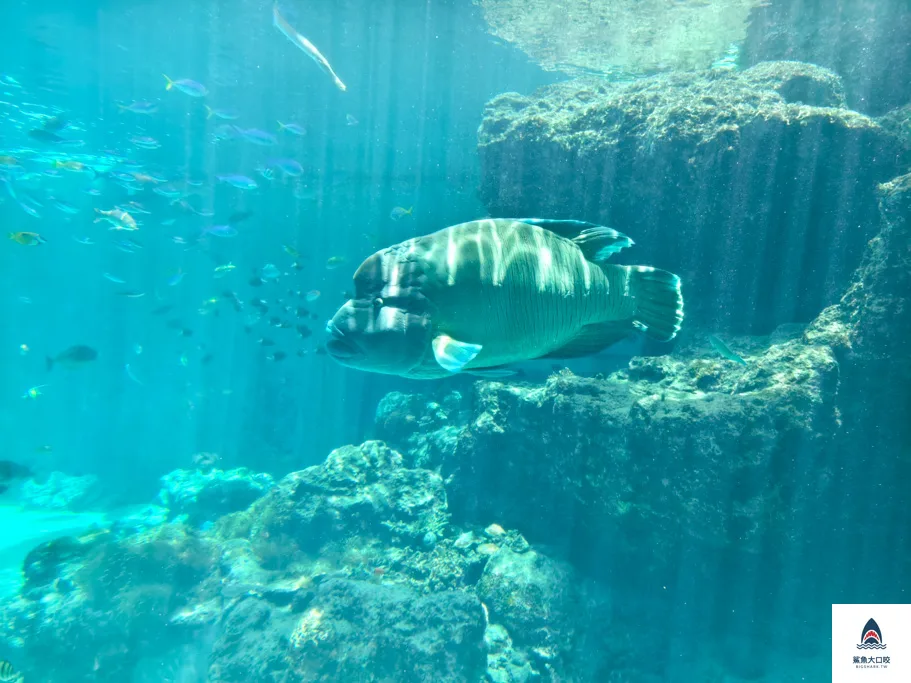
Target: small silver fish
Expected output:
[724,350]
[305,45]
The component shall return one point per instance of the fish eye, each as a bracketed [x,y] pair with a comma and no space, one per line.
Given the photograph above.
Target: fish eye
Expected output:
[378,302]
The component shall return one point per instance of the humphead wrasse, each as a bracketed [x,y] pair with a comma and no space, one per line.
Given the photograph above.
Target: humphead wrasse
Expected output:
[480,296]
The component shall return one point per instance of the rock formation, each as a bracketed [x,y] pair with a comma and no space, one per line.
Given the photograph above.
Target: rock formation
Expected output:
[757,188]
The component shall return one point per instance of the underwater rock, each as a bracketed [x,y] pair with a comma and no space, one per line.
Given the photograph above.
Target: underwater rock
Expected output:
[93,607]
[722,177]
[637,456]
[869,331]
[546,622]
[865,43]
[363,490]
[426,428]
[619,36]
[205,496]
[61,490]
[690,464]
[877,305]
[354,630]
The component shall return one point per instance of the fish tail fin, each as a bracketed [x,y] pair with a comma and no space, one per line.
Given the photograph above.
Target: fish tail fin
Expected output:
[409,211]
[123,107]
[49,363]
[659,302]
[281,126]
[209,112]
[170,82]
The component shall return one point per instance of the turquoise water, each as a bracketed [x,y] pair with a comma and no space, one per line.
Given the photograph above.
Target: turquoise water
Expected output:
[165,372]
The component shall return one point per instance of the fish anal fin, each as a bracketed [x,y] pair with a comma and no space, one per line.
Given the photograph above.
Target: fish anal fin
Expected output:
[453,355]
[593,338]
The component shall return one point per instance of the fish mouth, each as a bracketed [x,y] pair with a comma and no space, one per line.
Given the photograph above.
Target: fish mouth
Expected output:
[339,346]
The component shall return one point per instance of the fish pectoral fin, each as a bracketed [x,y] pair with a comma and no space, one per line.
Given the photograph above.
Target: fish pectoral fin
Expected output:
[453,355]
[593,338]
[495,372]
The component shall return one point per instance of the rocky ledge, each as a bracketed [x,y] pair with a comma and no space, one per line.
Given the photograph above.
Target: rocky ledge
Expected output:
[757,187]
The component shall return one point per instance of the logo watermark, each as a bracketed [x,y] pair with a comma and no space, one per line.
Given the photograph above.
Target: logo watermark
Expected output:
[882,653]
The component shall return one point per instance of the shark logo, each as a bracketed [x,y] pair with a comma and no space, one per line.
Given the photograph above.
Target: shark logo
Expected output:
[872,638]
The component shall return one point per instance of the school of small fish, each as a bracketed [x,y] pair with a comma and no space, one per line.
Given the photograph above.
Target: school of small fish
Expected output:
[65,191]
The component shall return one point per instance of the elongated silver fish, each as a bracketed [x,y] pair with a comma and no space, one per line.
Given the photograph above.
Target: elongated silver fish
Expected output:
[305,45]
[479,296]
[724,350]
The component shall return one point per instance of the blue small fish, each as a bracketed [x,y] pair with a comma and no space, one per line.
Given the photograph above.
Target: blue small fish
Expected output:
[123,177]
[294,128]
[145,142]
[398,213]
[725,351]
[167,191]
[289,167]
[63,206]
[113,278]
[258,137]
[269,272]
[175,278]
[187,86]
[223,114]
[140,107]
[30,210]
[129,246]
[225,131]
[241,182]
[220,231]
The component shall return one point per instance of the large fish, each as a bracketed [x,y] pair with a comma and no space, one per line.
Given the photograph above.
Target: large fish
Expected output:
[480,296]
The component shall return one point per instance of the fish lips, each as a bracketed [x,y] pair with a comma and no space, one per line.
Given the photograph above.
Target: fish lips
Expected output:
[338,346]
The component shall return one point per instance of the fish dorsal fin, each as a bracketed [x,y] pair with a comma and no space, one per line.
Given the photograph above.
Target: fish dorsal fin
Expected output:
[453,355]
[593,338]
[597,242]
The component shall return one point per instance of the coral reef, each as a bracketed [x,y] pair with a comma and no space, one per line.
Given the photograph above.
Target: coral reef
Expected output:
[203,496]
[721,177]
[344,571]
